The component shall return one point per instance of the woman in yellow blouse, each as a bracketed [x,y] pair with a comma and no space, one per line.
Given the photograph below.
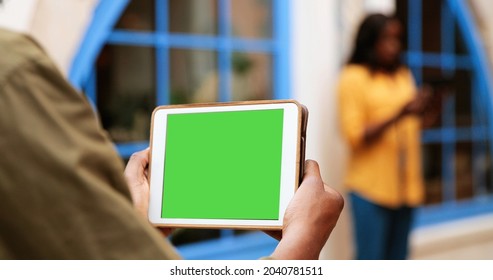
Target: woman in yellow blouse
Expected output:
[379,117]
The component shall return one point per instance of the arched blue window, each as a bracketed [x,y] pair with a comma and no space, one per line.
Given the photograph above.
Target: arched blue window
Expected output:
[168,51]
[443,44]
[144,53]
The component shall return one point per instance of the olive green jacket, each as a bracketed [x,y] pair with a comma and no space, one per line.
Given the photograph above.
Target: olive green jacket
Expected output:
[62,190]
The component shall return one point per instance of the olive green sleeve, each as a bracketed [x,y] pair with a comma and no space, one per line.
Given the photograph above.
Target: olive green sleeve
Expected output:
[62,190]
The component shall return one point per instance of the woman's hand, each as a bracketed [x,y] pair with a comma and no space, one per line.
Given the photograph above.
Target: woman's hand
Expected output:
[418,105]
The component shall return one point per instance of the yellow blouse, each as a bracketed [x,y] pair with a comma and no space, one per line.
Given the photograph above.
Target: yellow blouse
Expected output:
[387,171]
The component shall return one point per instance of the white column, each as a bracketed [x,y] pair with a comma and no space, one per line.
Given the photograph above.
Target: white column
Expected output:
[17,14]
[58,25]
[56,17]
[380,6]
[316,59]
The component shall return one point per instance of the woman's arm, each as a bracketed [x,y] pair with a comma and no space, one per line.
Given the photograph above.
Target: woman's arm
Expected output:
[413,107]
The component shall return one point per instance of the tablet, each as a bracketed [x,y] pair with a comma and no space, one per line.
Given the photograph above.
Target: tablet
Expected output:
[225,165]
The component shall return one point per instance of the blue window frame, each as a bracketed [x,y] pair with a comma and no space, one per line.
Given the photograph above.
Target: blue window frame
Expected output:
[459,149]
[224,44]
[158,42]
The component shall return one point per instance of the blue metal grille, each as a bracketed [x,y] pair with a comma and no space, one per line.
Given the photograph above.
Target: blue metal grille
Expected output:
[456,22]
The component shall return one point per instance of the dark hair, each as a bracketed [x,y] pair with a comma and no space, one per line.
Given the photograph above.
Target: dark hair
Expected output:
[366,39]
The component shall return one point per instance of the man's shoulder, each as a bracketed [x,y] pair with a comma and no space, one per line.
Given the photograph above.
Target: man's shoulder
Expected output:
[17,49]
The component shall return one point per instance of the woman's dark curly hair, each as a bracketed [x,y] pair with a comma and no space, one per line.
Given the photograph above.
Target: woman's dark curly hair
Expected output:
[366,39]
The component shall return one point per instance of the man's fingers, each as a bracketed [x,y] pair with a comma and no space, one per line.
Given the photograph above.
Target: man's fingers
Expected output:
[311,169]
[139,159]
[312,172]
[137,163]
[312,176]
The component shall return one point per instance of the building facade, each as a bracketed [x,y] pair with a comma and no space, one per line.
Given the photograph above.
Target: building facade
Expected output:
[130,56]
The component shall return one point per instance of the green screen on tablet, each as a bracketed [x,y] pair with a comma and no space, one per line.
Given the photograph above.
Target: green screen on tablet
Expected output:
[223,165]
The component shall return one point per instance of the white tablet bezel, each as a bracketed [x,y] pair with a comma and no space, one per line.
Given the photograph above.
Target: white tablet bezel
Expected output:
[289,163]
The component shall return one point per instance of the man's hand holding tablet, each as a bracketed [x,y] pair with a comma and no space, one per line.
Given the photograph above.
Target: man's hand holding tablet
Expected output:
[229,165]
[307,221]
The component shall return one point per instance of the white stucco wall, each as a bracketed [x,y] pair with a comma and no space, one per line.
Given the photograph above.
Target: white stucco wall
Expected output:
[17,15]
[315,67]
[61,35]
[69,18]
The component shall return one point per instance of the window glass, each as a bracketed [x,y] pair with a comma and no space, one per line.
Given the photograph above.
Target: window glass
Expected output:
[251,77]
[482,168]
[432,167]
[486,171]
[463,171]
[401,13]
[443,87]
[251,18]
[139,15]
[126,87]
[193,76]
[460,45]
[431,26]
[193,16]
[462,95]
